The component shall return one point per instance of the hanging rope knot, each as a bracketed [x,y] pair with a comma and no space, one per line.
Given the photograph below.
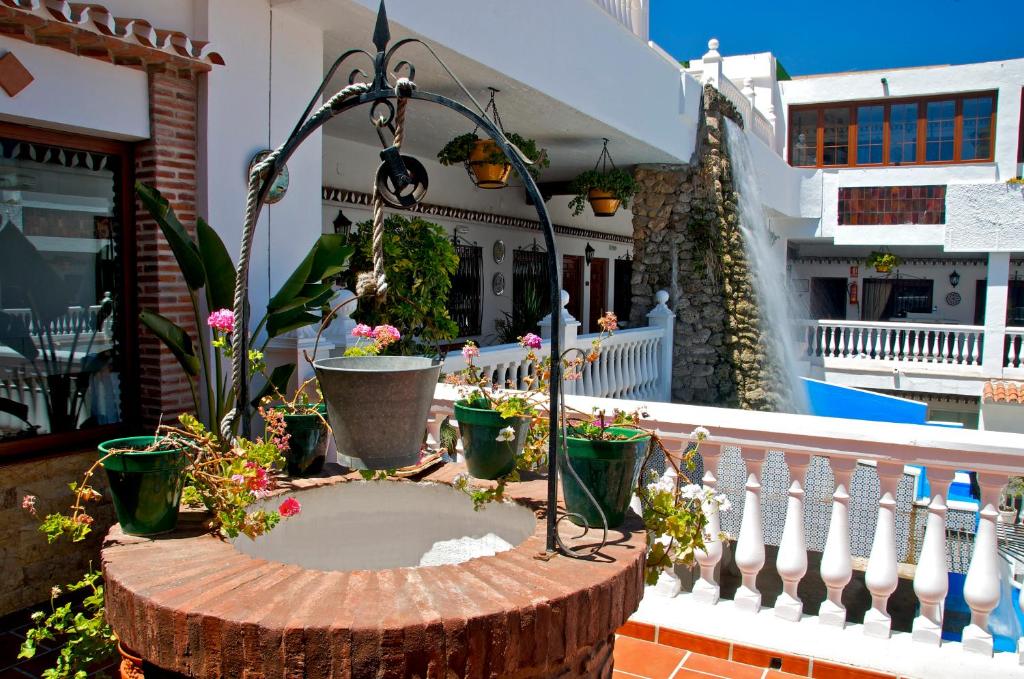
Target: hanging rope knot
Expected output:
[404,87]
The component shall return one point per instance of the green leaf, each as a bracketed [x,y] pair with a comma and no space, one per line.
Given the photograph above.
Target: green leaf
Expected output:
[18,410]
[220,270]
[174,338]
[284,321]
[14,333]
[184,248]
[278,379]
[326,259]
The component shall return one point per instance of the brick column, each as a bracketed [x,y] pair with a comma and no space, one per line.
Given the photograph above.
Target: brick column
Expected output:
[167,160]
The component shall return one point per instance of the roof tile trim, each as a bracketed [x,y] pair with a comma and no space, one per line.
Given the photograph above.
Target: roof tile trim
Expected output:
[1003,391]
[90,29]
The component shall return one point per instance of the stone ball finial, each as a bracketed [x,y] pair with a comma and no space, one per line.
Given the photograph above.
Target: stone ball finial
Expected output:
[565,298]
[713,44]
[661,297]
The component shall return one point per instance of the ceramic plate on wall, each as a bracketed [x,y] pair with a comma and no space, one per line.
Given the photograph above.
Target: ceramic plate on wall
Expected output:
[498,251]
[498,284]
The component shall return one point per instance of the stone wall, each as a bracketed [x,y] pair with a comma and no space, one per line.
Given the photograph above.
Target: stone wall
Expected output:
[30,565]
[687,241]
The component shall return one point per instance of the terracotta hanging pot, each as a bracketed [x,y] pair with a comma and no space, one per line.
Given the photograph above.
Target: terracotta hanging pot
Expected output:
[131,664]
[883,268]
[604,203]
[486,174]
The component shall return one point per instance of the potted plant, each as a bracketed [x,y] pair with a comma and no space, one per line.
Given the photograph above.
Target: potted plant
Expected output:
[486,162]
[145,474]
[493,423]
[299,427]
[605,191]
[884,262]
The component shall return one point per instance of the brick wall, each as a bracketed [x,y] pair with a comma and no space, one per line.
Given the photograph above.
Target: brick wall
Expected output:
[167,161]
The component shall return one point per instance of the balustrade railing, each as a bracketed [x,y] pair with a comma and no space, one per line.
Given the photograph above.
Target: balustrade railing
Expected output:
[835,457]
[763,128]
[905,342]
[78,320]
[633,14]
[1014,356]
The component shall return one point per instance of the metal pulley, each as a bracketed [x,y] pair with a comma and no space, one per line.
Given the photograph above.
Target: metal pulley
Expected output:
[401,180]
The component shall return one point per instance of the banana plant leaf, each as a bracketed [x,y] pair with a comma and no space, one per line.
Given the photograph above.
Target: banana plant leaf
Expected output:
[186,252]
[174,338]
[18,410]
[220,270]
[299,315]
[326,259]
[14,334]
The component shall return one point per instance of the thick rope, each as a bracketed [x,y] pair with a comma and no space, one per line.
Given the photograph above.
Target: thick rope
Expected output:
[252,210]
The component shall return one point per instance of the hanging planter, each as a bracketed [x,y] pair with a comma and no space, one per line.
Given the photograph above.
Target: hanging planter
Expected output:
[606,187]
[485,162]
[884,262]
[607,464]
[144,484]
[490,442]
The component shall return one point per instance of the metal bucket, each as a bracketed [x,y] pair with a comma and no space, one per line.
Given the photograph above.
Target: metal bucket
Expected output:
[378,407]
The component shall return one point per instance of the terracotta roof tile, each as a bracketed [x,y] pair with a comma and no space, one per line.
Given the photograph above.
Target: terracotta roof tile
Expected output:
[91,29]
[1003,391]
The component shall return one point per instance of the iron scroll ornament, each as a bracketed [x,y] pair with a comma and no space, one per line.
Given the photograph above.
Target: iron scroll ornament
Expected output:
[379,93]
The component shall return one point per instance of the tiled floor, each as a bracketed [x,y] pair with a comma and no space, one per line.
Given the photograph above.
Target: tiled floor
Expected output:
[12,634]
[639,659]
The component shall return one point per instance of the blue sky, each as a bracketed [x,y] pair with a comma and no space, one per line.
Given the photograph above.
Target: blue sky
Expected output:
[829,36]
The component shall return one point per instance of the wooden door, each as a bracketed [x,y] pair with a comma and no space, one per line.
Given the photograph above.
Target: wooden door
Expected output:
[598,290]
[572,282]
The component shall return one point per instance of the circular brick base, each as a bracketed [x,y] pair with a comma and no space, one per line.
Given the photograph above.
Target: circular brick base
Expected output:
[193,604]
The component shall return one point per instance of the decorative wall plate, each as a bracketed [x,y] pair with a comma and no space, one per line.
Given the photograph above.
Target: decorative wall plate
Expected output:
[498,284]
[498,251]
[280,185]
[953,298]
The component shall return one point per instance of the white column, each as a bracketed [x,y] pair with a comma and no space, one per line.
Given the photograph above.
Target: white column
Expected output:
[791,562]
[665,319]
[836,562]
[750,544]
[881,576]
[706,589]
[712,64]
[981,588]
[996,291]
[931,580]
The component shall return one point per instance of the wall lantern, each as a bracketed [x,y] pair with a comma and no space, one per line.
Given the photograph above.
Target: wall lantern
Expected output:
[341,223]
[588,253]
[954,278]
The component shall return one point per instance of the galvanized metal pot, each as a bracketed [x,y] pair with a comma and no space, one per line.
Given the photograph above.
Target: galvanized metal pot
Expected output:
[378,407]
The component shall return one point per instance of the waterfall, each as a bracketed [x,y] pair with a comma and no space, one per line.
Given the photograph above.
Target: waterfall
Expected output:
[769,276]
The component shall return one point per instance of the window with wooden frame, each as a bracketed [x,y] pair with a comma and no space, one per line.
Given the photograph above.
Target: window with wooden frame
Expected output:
[941,129]
[66,262]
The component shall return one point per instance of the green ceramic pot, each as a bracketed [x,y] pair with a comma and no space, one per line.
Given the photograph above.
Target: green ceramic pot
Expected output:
[486,456]
[145,485]
[307,445]
[608,469]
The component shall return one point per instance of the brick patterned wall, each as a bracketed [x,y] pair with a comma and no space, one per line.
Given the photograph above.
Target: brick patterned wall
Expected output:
[167,160]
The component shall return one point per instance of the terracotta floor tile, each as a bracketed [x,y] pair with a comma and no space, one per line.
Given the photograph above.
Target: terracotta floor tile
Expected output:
[637,630]
[827,670]
[646,659]
[762,657]
[725,668]
[616,674]
[775,674]
[684,673]
[694,642]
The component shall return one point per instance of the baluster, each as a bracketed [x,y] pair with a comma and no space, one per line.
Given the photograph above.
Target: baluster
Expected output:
[981,588]
[706,589]
[437,415]
[875,335]
[949,355]
[836,561]
[791,562]
[904,344]
[922,341]
[750,544]
[881,576]
[976,349]
[1008,359]
[865,342]
[932,339]
[847,341]
[931,580]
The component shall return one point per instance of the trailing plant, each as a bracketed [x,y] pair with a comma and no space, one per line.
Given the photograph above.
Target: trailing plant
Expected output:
[207,269]
[1015,181]
[478,391]
[419,261]
[458,150]
[615,181]
[884,260]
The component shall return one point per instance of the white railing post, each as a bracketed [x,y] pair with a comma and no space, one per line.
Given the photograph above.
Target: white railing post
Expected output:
[712,64]
[339,332]
[836,560]
[662,317]
[931,579]
[750,553]
[881,576]
[569,328]
[981,587]
[706,589]
[748,92]
[791,561]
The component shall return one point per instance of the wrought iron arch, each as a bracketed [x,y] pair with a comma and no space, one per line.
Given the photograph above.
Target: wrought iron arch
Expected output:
[379,93]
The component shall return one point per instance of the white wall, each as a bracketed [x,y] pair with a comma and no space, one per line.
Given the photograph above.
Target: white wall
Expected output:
[76,94]
[986,217]
[1007,417]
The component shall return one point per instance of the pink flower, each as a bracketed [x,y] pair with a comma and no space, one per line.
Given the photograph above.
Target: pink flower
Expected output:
[470,351]
[530,341]
[28,503]
[386,334]
[609,322]
[222,319]
[237,479]
[289,507]
[362,330]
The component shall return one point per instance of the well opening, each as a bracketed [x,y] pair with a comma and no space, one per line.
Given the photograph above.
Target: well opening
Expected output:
[377,525]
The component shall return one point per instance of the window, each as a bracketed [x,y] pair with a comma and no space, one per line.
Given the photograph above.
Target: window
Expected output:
[804,133]
[940,122]
[62,244]
[947,129]
[877,205]
[835,139]
[902,133]
[467,290]
[886,298]
[870,134]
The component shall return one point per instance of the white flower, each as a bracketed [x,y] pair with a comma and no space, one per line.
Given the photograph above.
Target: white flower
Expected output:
[699,434]
[723,502]
[55,592]
[506,434]
[666,483]
[690,491]
[461,480]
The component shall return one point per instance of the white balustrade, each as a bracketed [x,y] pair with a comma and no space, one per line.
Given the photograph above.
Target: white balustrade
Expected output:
[762,128]
[791,562]
[931,580]
[706,589]
[633,14]
[735,95]
[1014,357]
[750,552]
[836,559]
[882,575]
[902,342]
[981,588]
